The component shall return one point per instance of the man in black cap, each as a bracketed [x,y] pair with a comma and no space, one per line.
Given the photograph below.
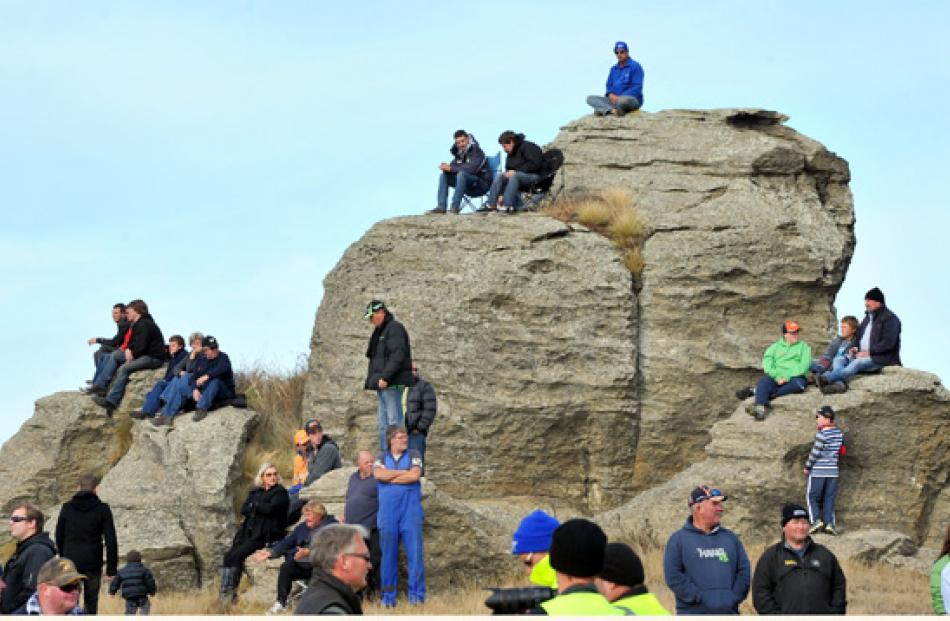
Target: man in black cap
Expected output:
[797,576]
[577,556]
[622,582]
[390,366]
[878,344]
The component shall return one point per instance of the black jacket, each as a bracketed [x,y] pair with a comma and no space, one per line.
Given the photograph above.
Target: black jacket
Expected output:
[390,356]
[472,160]
[82,525]
[135,580]
[265,515]
[327,595]
[785,584]
[122,326]
[181,358]
[20,571]
[147,339]
[322,460]
[420,406]
[885,336]
[525,156]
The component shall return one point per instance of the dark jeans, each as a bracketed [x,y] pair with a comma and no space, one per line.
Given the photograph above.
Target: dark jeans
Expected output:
[290,571]
[99,354]
[376,558]
[465,184]
[822,492]
[767,389]
[240,550]
[122,375]
[134,605]
[417,441]
[90,591]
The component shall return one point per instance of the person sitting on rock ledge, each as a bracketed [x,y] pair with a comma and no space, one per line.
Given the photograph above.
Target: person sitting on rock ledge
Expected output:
[211,381]
[153,400]
[468,172]
[107,346]
[624,86]
[878,344]
[523,166]
[785,363]
[838,353]
[323,454]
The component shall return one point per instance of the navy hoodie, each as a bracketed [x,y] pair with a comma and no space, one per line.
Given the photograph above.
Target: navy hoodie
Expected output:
[709,573]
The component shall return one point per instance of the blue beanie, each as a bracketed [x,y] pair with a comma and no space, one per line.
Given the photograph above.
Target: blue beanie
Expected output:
[534,533]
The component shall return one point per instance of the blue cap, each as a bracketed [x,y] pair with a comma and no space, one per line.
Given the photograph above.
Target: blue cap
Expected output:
[534,533]
[620,46]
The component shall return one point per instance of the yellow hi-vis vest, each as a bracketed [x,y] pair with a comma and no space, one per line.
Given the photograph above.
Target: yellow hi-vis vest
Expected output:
[542,574]
[581,604]
[644,604]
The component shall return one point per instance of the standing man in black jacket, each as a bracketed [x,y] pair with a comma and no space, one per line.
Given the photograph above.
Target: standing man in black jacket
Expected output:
[340,561]
[797,576]
[146,350]
[390,366]
[107,346]
[33,549]
[83,524]
[522,168]
[420,408]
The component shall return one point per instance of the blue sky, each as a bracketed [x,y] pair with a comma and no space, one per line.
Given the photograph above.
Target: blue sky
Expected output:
[216,158]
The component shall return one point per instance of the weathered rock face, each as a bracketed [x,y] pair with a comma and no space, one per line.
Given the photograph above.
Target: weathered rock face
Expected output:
[526,328]
[894,478]
[752,223]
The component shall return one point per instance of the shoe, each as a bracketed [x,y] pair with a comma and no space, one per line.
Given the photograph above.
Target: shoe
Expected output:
[830,529]
[835,388]
[817,527]
[617,112]
[199,415]
[820,380]
[103,402]
[745,393]
[600,113]
[276,609]
[93,390]
[455,210]
[759,413]
[436,211]
[161,420]
[485,209]
[138,415]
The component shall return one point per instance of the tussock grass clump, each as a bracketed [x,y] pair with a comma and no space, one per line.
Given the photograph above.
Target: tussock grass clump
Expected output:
[612,214]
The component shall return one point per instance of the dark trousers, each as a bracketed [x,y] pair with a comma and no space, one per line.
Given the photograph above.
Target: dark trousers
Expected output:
[290,571]
[767,389]
[240,550]
[376,558]
[138,604]
[90,591]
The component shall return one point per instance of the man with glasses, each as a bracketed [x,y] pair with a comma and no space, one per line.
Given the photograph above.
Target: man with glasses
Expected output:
[397,473]
[33,548]
[624,86]
[786,362]
[705,565]
[340,561]
[57,591]
[531,542]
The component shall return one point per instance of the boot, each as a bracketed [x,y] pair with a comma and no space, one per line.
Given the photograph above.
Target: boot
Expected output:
[230,577]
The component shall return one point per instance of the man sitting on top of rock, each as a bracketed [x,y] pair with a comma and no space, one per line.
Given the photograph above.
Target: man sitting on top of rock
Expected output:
[522,168]
[785,363]
[468,172]
[624,86]
[878,344]
[107,346]
[211,381]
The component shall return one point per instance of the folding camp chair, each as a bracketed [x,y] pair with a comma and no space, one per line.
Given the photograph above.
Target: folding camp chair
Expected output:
[493,162]
[538,192]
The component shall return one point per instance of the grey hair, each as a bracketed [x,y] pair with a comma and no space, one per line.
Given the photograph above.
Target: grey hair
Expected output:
[331,541]
[195,336]
[259,479]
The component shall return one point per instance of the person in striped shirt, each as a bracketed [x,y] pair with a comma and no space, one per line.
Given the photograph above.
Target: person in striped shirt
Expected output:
[822,472]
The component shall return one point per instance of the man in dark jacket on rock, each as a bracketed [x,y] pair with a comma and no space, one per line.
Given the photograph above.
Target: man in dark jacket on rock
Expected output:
[323,454]
[84,523]
[879,345]
[797,576]
[421,408]
[146,350]
[33,549]
[340,561]
[522,168]
[107,346]
[468,172]
[390,366]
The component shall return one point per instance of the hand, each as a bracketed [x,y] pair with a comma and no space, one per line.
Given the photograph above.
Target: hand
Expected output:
[201,381]
[196,394]
[91,341]
[128,355]
[853,351]
[806,471]
[261,555]
[510,174]
[445,167]
[383,384]
[781,381]
[612,98]
[864,354]
[301,553]
[109,578]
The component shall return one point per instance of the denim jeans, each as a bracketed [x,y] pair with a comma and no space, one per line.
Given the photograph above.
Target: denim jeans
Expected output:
[389,409]
[858,365]
[133,605]
[106,367]
[465,184]
[122,376]
[153,400]
[213,390]
[510,187]
[176,394]
[837,363]
[626,103]
[821,492]
[767,388]
[417,441]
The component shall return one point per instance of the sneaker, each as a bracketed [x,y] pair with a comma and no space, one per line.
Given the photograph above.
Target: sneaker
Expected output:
[835,388]
[276,609]
[745,393]
[759,412]
[199,415]
[830,529]
[138,415]
[437,210]
[816,528]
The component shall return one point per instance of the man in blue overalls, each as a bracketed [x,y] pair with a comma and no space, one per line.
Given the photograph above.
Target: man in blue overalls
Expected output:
[397,473]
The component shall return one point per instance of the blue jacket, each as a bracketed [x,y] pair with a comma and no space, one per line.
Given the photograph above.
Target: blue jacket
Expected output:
[472,160]
[219,368]
[174,362]
[626,80]
[299,537]
[708,573]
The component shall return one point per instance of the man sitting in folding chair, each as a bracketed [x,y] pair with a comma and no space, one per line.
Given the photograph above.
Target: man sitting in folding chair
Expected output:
[469,173]
[522,168]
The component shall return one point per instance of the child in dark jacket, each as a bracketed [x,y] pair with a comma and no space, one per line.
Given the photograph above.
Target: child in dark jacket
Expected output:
[137,584]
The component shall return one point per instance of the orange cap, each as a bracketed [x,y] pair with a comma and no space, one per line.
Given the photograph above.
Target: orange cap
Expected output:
[301,437]
[791,326]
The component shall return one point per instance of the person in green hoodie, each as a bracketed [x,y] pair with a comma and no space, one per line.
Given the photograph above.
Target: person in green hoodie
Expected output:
[786,362]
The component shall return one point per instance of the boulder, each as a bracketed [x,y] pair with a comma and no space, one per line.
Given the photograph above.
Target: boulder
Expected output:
[750,223]
[174,494]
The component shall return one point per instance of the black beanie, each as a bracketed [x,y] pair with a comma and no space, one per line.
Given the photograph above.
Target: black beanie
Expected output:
[875,294]
[622,565]
[577,548]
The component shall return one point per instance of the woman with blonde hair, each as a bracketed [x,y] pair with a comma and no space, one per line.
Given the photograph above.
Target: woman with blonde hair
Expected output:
[264,520]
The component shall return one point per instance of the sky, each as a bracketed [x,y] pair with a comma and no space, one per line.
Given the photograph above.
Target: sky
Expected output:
[216,158]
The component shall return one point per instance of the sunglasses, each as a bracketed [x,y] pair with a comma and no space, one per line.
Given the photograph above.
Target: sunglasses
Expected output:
[18,518]
[69,588]
[270,474]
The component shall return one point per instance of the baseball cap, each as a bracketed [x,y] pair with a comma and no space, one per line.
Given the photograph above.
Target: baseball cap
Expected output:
[372,307]
[827,411]
[312,425]
[620,46]
[704,492]
[792,326]
[792,511]
[59,572]
[209,341]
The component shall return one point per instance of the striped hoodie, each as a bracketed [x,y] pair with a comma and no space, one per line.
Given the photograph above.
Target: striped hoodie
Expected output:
[823,459]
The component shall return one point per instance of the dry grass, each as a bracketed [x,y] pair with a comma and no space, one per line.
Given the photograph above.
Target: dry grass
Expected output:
[612,214]
[877,590]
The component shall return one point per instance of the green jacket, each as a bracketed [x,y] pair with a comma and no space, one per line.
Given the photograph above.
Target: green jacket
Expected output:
[641,603]
[940,606]
[581,601]
[783,361]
